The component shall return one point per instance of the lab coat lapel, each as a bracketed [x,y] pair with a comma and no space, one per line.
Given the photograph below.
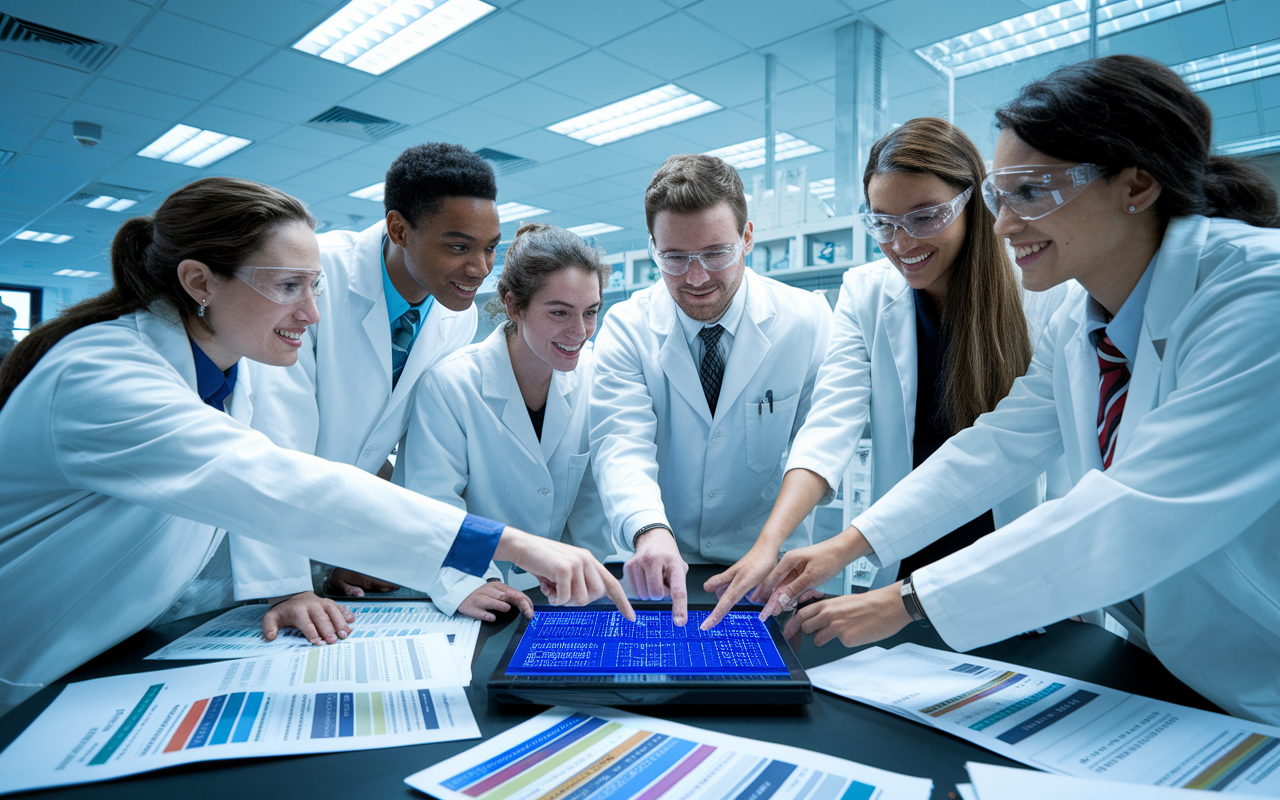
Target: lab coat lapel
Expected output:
[750,347]
[900,328]
[366,294]
[674,356]
[163,330]
[502,393]
[1082,376]
[556,419]
[1172,284]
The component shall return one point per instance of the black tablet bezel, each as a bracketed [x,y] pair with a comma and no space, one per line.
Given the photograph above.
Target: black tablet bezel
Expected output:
[792,689]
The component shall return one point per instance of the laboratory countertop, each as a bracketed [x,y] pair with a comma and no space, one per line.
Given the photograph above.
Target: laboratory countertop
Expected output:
[829,724]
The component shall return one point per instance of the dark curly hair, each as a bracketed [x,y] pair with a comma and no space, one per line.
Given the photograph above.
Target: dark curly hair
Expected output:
[425,174]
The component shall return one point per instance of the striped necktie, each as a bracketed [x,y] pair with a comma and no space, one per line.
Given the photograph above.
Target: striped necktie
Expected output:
[712,370]
[1113,384]
[401,341]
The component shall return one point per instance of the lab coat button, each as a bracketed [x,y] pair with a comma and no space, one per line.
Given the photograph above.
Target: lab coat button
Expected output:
[544,491]
[713,494]
[368,451]
[716,435]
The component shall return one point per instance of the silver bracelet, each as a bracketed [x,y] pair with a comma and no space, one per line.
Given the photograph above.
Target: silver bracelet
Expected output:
[912,602]
[646,529]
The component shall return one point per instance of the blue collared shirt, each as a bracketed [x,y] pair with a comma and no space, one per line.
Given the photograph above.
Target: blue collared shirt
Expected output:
[212,384]
[396,304]
[1125,328]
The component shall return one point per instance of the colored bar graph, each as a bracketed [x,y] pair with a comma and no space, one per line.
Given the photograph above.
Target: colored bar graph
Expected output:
[768,781]
[1231,765]
[188,724]
[379,714]
[324,723]
[364,717]
[858,791]
[205,728]
[565,754]
[531,760]
[313,667]
[362,671]
[992,686]
[519,751]
[222,732]
[412,646]
[1072,704]
[594,768]
[638,754]
[247,717]
[128,725]
[648,770]
[429,719]
[346,714]
[676,775]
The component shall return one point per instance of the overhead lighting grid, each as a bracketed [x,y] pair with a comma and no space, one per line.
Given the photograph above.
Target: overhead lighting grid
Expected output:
[751,154]
[647,111]
[39,236]
[375,35]
[193,147]
[1236,66]
[508,212]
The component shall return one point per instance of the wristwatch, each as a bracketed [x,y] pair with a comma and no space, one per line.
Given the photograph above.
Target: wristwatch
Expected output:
[912,602]
[646,529]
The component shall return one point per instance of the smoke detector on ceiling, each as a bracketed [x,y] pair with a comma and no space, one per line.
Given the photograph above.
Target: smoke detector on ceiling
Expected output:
[88,134]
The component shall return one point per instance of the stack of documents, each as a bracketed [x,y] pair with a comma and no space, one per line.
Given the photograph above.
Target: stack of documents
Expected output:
[384,693]
[1002,783]
[1061,725]
[568,754]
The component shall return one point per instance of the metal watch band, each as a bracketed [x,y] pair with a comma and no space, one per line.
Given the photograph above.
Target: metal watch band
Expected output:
[912,602]
[645,530]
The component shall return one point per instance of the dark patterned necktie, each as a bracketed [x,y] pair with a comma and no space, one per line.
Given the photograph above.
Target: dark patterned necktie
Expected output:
[401,341]
[712,370]
[1113,385]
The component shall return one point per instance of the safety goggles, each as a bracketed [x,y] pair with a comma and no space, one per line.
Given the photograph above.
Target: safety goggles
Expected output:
[284,285]
[923,223]
[676,263]
[1032,191]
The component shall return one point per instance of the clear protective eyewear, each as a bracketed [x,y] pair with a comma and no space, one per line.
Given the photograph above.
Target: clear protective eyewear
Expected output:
[923,223]
[1032,191]
[714,260]
[284,285]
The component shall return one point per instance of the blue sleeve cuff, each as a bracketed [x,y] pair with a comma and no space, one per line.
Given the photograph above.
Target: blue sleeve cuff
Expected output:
[474,546]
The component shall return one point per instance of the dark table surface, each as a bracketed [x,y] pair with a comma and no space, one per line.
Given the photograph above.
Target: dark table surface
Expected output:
[829,724]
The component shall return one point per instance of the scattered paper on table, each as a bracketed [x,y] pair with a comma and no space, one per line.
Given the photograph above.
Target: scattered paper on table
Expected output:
[238,632]
[327,699]
[569,754]
[1059,724]
[1006,783]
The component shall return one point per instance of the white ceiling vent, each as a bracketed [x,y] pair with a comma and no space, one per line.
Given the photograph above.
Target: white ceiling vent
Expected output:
[354,124]
[52,45]
[505,163]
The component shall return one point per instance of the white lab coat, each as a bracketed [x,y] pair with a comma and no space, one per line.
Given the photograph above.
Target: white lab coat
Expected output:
[649,416]
[337,401]
[117,476]
[471,444]
[1187,514]
[870,374]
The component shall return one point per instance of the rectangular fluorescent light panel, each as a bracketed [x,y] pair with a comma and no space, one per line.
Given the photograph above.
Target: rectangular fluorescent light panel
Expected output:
[823,189]
[594,229]
[1255,146]
[513,211]
[193,147]
[375,35]
[37,236]
[751,154]
[656,108]
[76,273]
[1236,66]
[1045,30]
[374,192]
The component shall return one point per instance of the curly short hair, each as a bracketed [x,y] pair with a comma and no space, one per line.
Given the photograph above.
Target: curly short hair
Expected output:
[693,182]
[425,174]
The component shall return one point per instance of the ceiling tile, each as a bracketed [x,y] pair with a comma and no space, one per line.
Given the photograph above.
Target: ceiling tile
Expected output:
[601,191]
[1269,91]
[65,149]
[512,44]
[30,101]
[165,75]
[599,163]
[477,128]
[281,156]
[274,22]
[592,21]
[664,46]
[738,80]
[398,103]
[104,20]
[312,140]
[916,23]
[237,123]
[446,75]
[19,125]
[1253,21]
[120,129]
[803,106]
[1230,101]
[309,75]
[598,79]
[542,145]
[756,23]
[927,103]
[652,148]
[532,105]
[811,55]
[1239,126]
[378,156]
[148,103]
[31,73]
[264,101]
[718,129]
[550,176]
[200,45]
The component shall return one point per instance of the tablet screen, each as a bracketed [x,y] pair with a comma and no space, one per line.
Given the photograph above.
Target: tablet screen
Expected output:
[603,642]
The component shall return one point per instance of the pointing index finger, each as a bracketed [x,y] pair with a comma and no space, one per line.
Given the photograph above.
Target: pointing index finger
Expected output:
[615,592]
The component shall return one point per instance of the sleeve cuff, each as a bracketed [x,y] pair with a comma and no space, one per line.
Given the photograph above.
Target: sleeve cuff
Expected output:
[474,546]
[634,523]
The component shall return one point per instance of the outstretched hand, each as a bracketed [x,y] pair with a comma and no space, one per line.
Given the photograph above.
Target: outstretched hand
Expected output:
[319,620]
[738,581]
[566,574]
[354,584]
[495,598]
[657,571]
[854,619]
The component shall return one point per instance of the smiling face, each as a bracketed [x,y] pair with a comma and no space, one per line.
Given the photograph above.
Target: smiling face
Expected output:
[447,254]
[245,323]
[702,294]
[925,263]
[560,318]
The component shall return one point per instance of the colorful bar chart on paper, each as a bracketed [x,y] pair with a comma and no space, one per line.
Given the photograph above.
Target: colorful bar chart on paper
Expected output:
[611,755]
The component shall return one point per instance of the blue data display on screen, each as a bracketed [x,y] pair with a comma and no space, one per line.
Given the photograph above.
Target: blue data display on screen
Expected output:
[603,642]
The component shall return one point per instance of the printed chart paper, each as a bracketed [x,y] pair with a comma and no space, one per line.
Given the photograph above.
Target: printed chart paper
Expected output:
[1005,783]
[606,754]
[238,633]
[379,693]
[1061,725]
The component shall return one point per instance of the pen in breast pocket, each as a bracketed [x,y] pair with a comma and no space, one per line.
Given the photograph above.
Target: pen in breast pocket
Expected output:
[768,397]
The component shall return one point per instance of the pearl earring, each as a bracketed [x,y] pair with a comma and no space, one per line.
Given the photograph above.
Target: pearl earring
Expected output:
[200,313]
[1132,209]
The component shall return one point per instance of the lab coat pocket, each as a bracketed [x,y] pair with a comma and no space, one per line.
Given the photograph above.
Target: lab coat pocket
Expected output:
[577,468]
[768,431]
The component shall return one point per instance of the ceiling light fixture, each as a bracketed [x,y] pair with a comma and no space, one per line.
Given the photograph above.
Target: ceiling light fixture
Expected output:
[76,273]
[1255,146]
[594,229]
[1236,66]
[513,211]
[656,108]
[1045,30]
[374,192]
[375,35]
[751,154]
[193,147]
[38,236]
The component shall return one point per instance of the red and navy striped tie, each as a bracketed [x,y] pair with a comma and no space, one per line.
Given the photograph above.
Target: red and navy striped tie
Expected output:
[1113,384]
